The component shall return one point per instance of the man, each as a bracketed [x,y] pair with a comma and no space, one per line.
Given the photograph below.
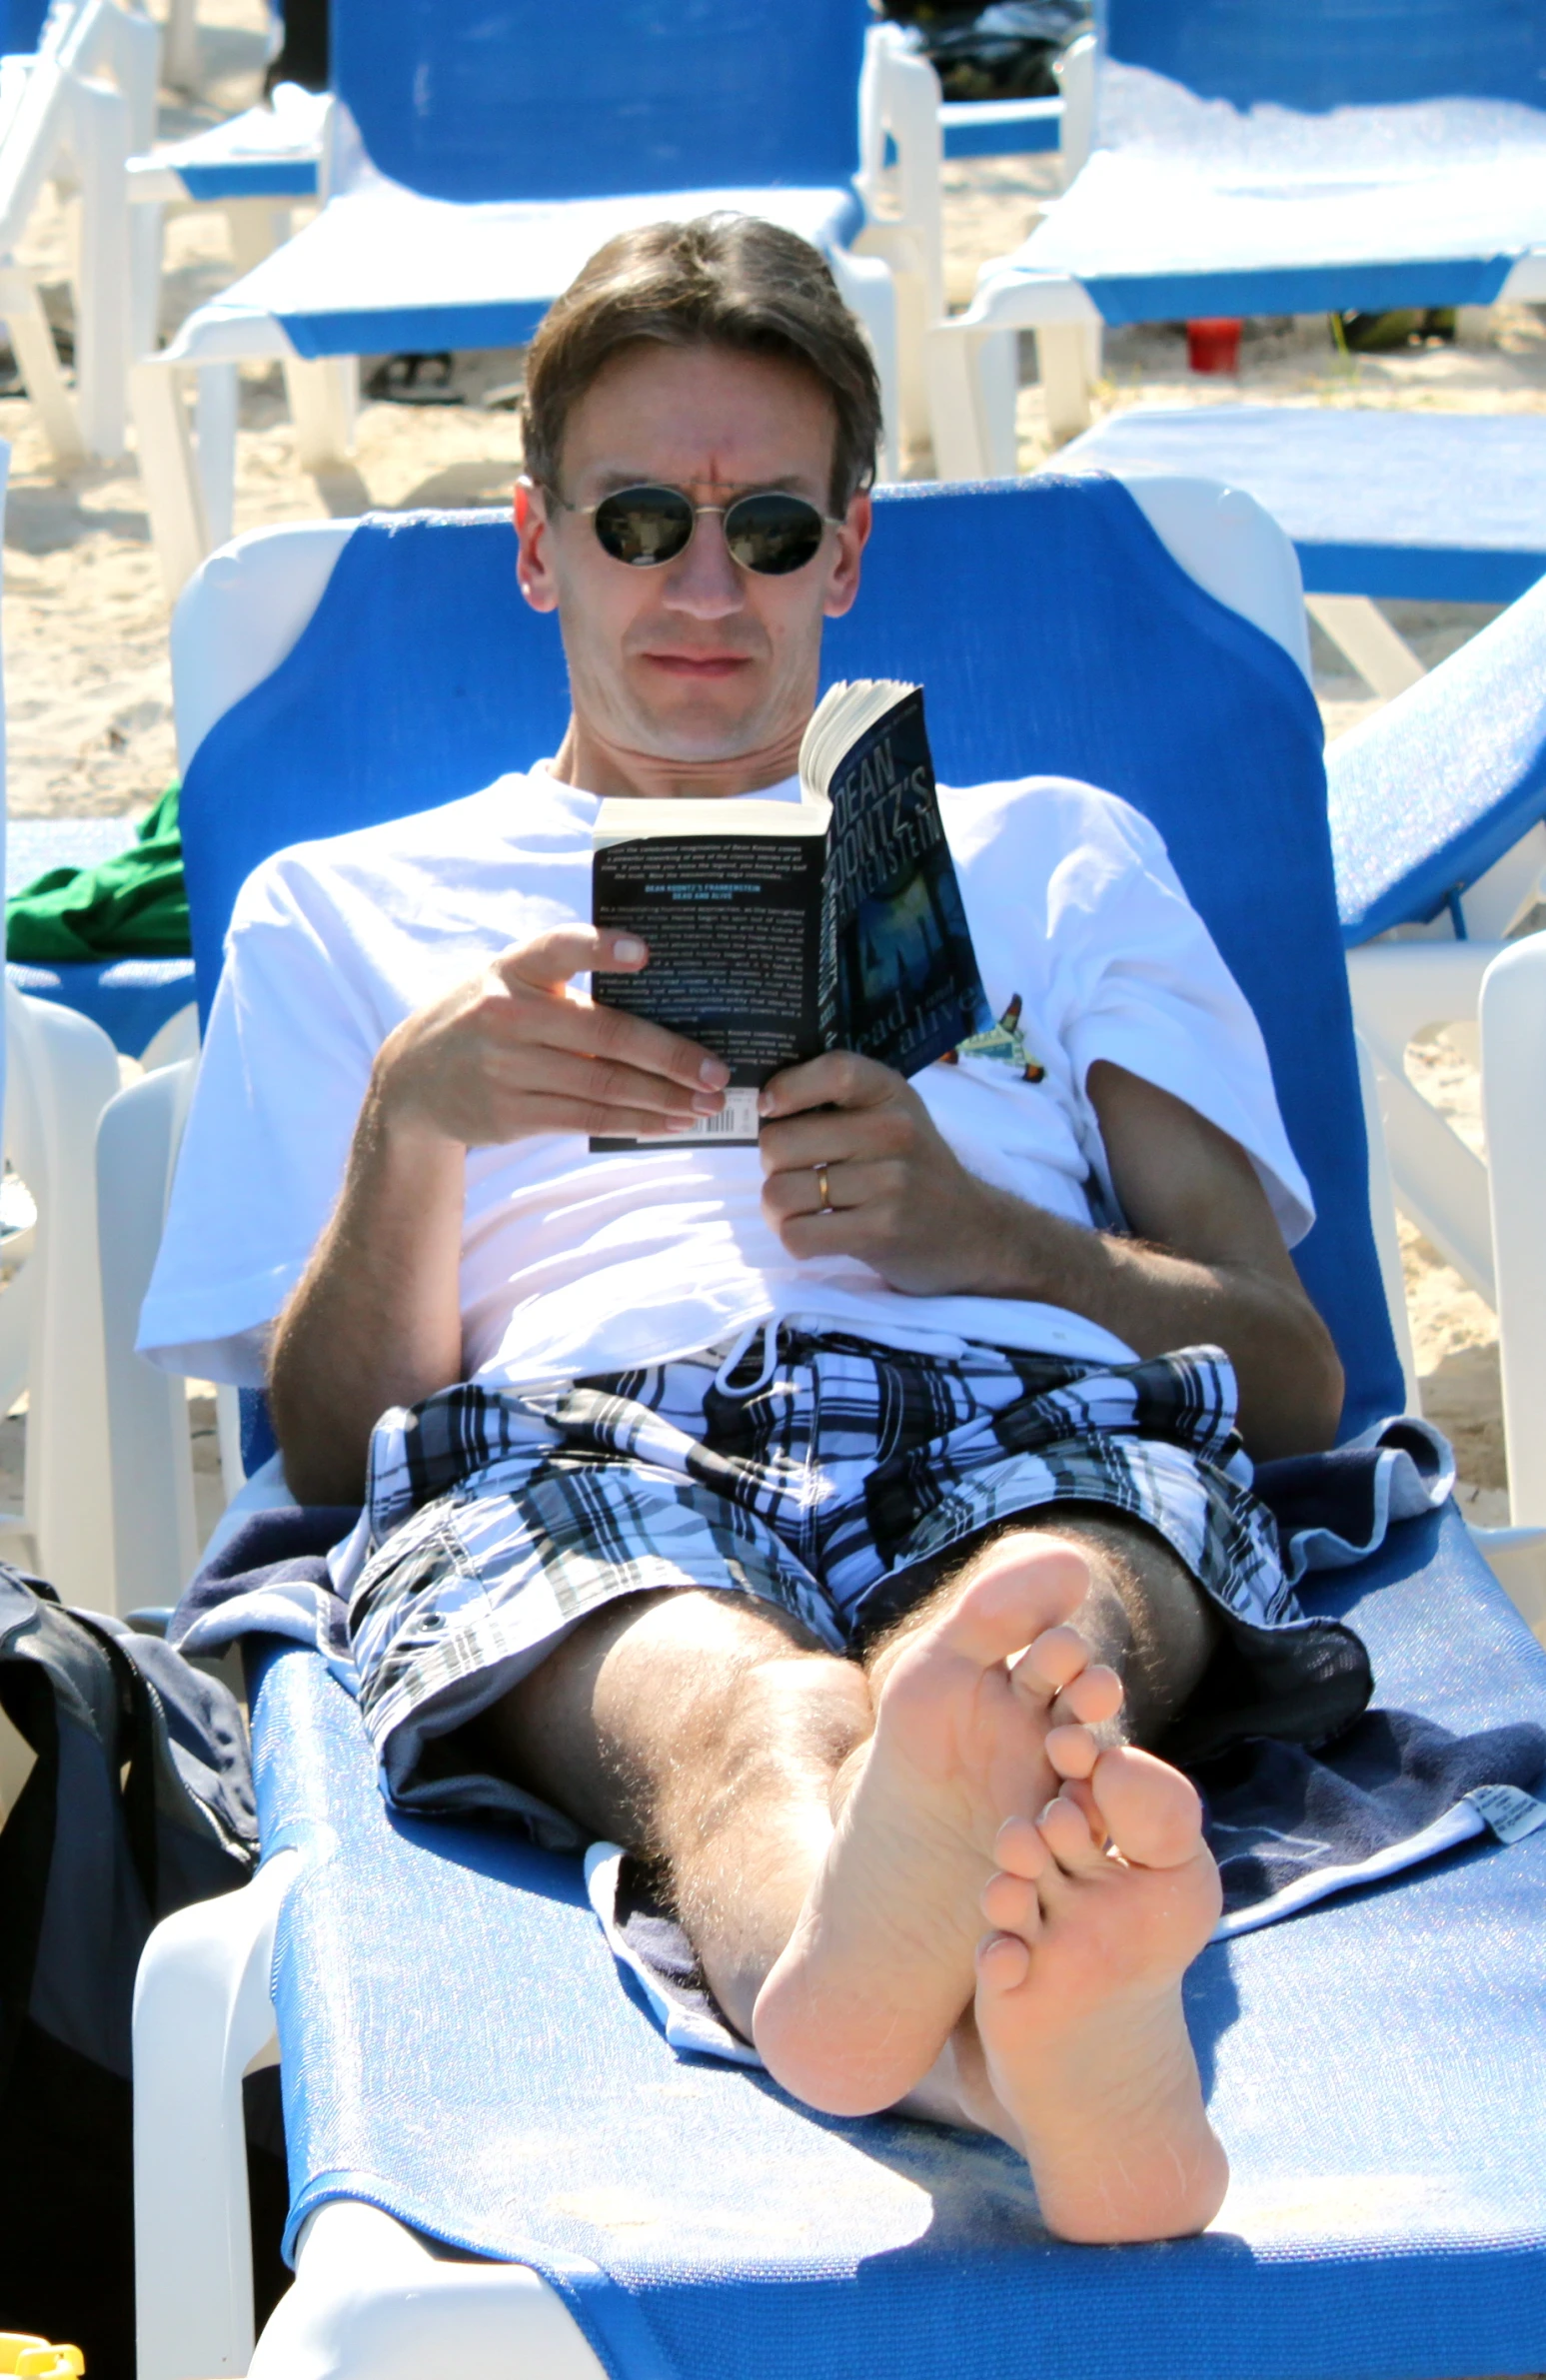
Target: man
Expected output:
[829,1521]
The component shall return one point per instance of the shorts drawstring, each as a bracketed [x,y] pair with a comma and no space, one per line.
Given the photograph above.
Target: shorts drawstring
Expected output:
[768,1328]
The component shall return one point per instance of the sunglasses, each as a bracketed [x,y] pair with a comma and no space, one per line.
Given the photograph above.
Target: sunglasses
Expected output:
[767,532]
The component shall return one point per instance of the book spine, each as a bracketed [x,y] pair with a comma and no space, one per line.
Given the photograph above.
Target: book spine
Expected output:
[898,979]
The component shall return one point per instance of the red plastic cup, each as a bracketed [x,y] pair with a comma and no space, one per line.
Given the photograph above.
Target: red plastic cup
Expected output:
[1214,345]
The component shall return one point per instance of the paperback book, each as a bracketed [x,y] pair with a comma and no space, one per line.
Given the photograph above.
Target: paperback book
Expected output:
[780,929]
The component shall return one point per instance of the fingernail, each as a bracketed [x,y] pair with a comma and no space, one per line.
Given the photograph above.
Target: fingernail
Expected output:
[715,1073]
[708,1103]
[765,1103]
[628,948]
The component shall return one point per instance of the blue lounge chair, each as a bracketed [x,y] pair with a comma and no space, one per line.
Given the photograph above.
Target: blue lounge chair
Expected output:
[496,2161]
[484,154]
[132,999]
[1421,507]
[1268,159]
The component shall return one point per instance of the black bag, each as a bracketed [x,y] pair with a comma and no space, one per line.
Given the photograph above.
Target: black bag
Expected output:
[139,1802]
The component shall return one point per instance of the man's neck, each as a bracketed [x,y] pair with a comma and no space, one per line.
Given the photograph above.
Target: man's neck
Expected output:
[597,765]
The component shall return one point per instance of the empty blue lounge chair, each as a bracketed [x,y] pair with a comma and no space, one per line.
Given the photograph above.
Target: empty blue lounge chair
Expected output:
[1263,157]
[1420,507]
[486,153]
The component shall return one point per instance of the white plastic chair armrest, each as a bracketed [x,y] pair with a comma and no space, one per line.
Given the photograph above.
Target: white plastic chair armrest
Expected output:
[155,1538]
[899,96]
[202,2018]
[1075,71]
[1513,1032]
[370,2299]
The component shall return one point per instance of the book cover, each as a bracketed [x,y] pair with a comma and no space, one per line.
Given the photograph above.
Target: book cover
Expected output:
[777,929]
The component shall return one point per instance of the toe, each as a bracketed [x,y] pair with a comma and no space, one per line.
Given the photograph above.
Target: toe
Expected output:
[1093,1697]
[1019,1848]
[1072,1751]
[1051,1665]
[1151,1809]
[1066,1832]
[1010,1904]
[1004,1961]
[1024,1590]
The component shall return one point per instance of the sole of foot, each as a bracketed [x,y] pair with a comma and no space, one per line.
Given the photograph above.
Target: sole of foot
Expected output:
[1100,1906]
[971,1708]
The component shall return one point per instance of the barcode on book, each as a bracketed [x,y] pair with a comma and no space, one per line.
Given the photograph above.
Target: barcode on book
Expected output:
[735,1124]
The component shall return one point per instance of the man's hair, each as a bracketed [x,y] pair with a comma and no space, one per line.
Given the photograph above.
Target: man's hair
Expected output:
[727,281]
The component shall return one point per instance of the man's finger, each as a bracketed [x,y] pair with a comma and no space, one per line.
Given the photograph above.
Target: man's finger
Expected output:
[557,1114]
[831,1135]
[546,962]
[847,1185]
[839,1079]
[534,1072]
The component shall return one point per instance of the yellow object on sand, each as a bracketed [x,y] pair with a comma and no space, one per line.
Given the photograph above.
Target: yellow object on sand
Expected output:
[35,2359]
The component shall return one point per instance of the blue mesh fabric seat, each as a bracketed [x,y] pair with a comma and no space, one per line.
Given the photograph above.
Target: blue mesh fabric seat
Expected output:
[457,2048]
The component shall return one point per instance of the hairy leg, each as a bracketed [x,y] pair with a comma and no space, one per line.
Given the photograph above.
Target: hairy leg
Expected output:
[703,1732]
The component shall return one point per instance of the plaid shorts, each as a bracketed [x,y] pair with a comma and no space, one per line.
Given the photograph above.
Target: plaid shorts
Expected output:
[819,1473]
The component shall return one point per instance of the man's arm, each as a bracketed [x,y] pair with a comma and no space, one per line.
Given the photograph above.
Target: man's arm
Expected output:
[376,1319]
[1206,1263]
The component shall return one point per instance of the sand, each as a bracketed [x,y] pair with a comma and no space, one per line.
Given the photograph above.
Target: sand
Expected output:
[84,619]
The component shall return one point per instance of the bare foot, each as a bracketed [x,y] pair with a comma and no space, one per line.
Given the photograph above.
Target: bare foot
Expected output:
[1104,1902]
[881,1963]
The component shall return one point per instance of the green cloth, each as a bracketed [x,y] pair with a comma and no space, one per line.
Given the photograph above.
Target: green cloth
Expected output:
[134,905]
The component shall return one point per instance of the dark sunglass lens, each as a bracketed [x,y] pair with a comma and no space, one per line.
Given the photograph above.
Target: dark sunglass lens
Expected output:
[642,526]
[772,532]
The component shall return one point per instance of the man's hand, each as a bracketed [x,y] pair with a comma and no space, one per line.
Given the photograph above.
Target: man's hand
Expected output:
[1206,1263]
[900,1198]
[376,1320]
[509,1053]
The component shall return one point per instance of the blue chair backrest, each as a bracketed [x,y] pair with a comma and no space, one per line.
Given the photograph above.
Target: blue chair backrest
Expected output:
[1054,633]
[1314,54]
[21,26]
[545,99]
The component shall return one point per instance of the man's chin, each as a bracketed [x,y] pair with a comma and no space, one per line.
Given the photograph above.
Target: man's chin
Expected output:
[703,724]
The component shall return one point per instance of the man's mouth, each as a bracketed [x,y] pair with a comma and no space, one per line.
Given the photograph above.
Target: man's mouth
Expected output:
[699,665]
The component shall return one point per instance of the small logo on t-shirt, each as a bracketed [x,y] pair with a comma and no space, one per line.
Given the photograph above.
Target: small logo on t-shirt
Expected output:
[1004,1042]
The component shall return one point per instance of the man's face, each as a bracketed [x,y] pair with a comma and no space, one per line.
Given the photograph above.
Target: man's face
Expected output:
[696,660]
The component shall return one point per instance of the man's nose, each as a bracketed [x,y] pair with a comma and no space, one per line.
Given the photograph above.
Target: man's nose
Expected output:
[704,580]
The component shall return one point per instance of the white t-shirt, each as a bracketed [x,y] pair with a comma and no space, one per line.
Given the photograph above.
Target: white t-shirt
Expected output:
[575,1264]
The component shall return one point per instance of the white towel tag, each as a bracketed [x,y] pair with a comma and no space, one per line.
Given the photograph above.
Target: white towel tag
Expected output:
[1509,1813]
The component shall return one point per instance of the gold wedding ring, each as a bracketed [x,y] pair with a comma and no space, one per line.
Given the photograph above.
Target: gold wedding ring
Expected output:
[823,1192]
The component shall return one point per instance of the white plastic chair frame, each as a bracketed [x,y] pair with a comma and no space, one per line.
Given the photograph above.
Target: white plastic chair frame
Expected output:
[965,394]
[370,2302]
[1484,1218]
[62,1070]
[71,113]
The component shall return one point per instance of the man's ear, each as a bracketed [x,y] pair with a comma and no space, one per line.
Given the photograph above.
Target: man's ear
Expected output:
[852,537]
[534,574]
